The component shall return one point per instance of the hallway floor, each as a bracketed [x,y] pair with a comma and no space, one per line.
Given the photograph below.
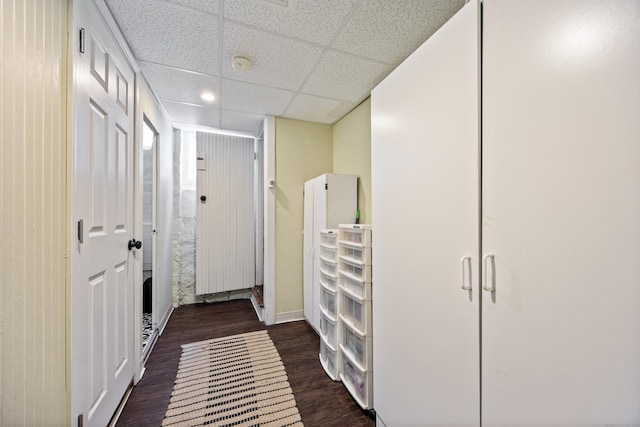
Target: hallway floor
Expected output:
[321,402]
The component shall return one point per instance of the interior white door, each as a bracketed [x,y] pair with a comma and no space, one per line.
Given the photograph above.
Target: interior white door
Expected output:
[225,214]
[561,213]
[102,280]
[425,196]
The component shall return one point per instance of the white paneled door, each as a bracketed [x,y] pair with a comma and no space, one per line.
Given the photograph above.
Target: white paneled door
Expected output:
[102,279]
[424,154]
[561,213]
[225,213]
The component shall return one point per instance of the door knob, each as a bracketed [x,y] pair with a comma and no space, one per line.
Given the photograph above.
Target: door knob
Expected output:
[203,198]
[133,243]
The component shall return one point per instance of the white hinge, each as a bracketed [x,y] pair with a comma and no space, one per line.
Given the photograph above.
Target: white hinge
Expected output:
[255,156]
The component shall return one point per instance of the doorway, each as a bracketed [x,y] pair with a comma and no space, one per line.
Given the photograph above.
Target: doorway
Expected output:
[149,163]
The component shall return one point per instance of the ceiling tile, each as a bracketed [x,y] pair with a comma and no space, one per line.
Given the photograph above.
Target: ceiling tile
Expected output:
[316,109]
[389,31]
[343,76]
[209,6]
[192,114]
[168,34]
[242,122]
[177,85]
[277,61]
[314,21]
[248,97]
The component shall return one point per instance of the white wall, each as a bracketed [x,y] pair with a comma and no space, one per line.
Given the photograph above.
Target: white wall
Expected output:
[34,209]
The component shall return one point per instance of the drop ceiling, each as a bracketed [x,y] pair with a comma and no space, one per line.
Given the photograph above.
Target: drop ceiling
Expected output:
[312,60]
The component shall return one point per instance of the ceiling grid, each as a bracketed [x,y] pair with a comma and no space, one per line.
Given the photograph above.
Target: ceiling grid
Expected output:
[311,60]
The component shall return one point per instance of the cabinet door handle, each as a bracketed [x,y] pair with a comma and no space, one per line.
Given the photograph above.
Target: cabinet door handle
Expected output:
[489,287]
[465,262]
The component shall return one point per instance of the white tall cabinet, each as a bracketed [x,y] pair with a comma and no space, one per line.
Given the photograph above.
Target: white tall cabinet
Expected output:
[540,199]
[329,200]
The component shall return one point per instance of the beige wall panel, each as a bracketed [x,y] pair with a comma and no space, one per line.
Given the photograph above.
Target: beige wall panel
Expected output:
[303,151]
[352,153]
[33,212]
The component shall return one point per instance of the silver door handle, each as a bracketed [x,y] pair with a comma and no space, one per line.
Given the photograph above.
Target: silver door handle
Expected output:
[465,262]
[489,287]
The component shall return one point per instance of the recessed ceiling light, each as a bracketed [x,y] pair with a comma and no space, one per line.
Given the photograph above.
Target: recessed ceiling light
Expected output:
[208,96]
[241,62]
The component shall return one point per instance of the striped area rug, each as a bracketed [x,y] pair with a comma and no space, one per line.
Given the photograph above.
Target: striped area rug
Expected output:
[232,381]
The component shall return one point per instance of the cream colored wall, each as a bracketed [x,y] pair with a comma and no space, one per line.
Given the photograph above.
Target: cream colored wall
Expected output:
[303,151]
[352,153]
[33,213]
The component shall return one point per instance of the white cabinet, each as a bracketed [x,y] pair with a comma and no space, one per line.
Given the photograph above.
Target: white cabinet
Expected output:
[329,200]
[355,324]
[424,154]
[544,205]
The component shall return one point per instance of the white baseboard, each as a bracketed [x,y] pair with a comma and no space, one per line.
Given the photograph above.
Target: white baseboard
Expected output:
[165,319]
[259,310]
[289,316]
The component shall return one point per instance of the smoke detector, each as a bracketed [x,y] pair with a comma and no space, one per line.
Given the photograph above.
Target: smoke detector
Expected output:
[241,62]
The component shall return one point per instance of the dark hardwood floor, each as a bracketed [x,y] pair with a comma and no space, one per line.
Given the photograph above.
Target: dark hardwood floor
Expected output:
[321,402]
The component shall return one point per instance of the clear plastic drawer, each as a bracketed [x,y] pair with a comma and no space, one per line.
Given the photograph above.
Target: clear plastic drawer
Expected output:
[329,360]
[356,252]
[358,270]
[356,312]
[358,347]
[328,252]
[329,281]
[328,328]
[329,267]
[357,287]
[328,300]
[329,237]
[358,382]
[355,233]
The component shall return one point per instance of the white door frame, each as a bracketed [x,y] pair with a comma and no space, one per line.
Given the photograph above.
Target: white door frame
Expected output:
[155,310]
[269,220]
